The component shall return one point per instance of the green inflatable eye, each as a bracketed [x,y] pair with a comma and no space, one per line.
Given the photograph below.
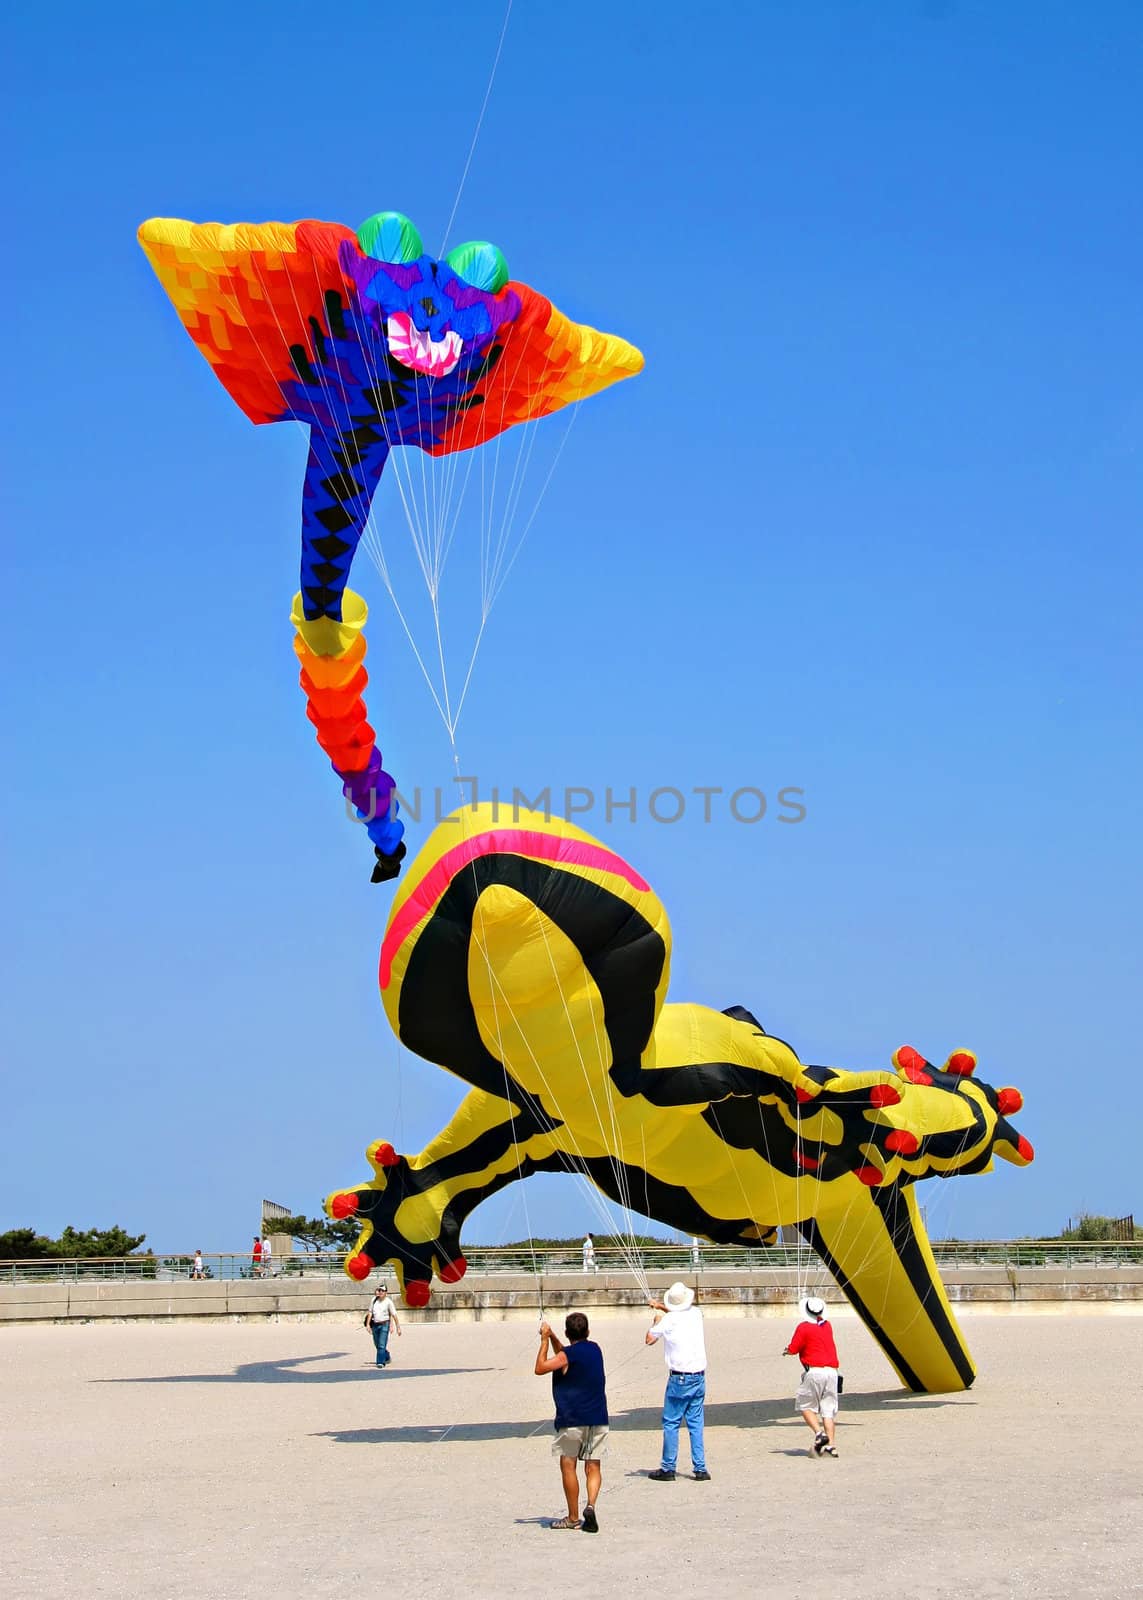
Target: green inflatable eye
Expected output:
[480,264]
[389,236]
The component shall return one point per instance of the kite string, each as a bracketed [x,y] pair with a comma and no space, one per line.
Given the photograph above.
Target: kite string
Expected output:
[476,131]
[567,1158]
[619,1165]
[431,548]
[573,1163]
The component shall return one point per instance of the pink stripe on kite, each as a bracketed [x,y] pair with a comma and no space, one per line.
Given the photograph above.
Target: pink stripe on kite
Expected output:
[498,841]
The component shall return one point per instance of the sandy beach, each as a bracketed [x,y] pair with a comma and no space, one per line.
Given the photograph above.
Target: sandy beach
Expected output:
[247,1459]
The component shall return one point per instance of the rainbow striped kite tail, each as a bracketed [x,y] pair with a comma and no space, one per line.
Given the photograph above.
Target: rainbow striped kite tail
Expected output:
[331,653]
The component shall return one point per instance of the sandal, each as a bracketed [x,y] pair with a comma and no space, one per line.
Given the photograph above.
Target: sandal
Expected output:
[564,1522]
[590,1520]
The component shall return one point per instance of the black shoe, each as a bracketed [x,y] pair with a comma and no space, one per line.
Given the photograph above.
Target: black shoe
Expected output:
[703,1476]
[590,1521]
[662,1475]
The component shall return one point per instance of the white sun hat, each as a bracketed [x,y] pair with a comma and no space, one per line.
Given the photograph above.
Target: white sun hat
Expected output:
[679,1298]
[815,1307]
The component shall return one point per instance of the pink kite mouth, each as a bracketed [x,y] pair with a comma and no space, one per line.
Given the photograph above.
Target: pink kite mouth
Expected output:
[412,348]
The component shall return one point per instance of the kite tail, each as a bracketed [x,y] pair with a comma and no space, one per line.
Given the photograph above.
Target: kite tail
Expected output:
[332,654]
[880,1255]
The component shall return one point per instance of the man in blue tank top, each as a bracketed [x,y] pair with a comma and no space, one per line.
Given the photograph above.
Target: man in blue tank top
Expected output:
[578,1388]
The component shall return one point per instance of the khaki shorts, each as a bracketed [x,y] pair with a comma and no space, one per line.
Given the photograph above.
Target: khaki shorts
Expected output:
[818,1391]
[585,1444]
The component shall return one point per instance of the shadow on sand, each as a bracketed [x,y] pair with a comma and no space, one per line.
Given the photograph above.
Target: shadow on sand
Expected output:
[288,1371]
[727,1414]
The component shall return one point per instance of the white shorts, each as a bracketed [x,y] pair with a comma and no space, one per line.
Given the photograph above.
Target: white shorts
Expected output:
[818,1391]
[584,1444]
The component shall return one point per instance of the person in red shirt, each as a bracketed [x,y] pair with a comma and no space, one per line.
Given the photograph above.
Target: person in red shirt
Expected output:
[816,1398]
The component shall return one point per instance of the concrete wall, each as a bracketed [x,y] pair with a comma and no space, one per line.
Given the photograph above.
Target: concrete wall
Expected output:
[505,1296]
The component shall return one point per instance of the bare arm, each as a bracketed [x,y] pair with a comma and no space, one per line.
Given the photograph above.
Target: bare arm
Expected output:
[556,1361]
[651,1337]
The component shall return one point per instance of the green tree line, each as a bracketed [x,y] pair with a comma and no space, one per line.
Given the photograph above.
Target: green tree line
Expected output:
[25,1244]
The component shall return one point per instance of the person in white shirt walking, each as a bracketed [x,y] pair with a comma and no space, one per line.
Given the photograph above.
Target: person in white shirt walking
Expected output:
[678,1323]
[589,1254]
[381,1316]
[267,1259]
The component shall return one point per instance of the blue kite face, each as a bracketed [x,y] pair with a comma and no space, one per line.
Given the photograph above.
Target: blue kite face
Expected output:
[428,315]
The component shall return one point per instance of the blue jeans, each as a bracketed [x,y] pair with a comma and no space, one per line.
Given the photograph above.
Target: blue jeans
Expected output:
[380,1331]
[683,1402]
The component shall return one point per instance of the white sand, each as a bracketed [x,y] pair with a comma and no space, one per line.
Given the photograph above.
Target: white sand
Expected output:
[269,1460]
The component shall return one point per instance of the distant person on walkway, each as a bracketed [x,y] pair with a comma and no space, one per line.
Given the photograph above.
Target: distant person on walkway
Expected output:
[196,1270]
[678,1324]
[381,1316]
[256,1258]
[579,1391]
[589,1254]
[816,1399]
[267,1258]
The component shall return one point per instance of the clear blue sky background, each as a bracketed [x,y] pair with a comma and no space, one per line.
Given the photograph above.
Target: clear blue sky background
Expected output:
[867,525]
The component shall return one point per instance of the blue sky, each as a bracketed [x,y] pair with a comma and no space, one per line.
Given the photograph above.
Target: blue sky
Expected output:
[867,525]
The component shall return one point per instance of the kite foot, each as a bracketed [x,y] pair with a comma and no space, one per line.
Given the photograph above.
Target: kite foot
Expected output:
[903,1129]
[396,1214]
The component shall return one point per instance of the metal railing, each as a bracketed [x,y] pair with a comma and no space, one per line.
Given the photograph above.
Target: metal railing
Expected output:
[130,1269]
[660,1260]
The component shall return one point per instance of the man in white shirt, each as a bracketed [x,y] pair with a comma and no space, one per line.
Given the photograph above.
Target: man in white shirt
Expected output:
[589,1254]
[267,1259]
[381,1316]
[678,1323]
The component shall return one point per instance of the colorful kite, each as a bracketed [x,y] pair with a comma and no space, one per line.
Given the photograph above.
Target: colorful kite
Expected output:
[370,343]
[533,963]
[527,959]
